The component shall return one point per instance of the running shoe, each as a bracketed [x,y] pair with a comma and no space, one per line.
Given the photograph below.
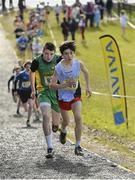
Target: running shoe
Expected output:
[55,128]
[37,120]
[18,114]
[50,153]
[63,137]
[28,123]
[78,151]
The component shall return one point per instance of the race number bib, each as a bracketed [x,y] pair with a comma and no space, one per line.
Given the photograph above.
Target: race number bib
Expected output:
[47,79]
[26,84]
[74,85]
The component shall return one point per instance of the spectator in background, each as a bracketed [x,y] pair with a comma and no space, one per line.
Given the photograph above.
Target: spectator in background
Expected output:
[97,16]
[21,6]
[82,26]
[42,11]
[76,13]
[89,13]
[101,5]
[64,6]
[68,12]
[47,11]
[65,29]
[72,27]
[109,7]
[77,3]
[123,22]
[57,10]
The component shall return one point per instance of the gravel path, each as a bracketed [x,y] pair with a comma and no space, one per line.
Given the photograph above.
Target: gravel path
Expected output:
[22,150]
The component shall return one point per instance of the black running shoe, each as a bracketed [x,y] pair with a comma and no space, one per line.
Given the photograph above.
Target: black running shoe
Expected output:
[55,128]
[18,114]
[37,120]
[63,137]
[28,123]
[78,151]
[50,153]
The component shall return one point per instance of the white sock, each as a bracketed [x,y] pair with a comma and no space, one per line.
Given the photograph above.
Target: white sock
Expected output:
[77,143]
[49,141]
[64,130]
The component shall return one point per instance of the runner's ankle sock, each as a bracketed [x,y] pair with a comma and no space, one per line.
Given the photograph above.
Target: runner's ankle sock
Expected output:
[49,141]
[77,143]
[64,130]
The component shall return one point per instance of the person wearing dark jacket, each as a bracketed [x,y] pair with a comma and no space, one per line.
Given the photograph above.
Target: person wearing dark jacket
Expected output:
[109,6]
[21,5]
[72,27]
[89,13]
[65,28]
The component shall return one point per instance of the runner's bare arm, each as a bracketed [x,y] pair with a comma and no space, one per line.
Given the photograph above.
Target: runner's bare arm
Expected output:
[32,79]
[55,85]
[87,79]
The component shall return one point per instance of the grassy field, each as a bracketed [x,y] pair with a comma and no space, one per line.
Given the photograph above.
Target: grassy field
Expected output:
[97,111]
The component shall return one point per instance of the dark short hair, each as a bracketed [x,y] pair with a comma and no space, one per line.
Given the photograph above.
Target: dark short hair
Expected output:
[50,46]
[27,62]
[67,45]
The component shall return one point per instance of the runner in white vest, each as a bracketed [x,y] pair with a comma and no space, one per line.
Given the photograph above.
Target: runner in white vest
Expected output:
[66,80]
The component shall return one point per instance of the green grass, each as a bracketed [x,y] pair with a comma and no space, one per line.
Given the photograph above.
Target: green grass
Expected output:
[97,111]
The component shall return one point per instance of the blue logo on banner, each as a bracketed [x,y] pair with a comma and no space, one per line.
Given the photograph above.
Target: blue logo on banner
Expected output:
[119,118]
